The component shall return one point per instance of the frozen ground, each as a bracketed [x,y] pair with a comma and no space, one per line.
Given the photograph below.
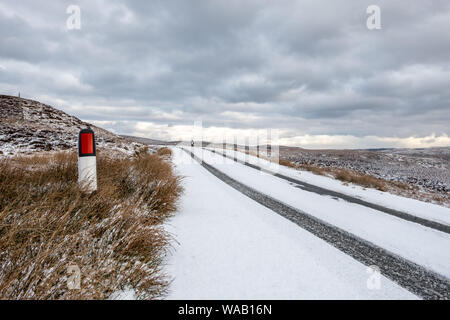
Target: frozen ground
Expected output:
[230,247]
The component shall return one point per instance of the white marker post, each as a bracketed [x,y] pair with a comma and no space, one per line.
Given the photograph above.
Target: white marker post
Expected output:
[87,160]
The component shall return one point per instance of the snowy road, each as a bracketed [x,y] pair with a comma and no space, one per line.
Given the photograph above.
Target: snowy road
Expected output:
[230,247]
[414,242]
[439,221]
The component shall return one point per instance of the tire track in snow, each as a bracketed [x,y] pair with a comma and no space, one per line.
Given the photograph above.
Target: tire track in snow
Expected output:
[413,277]
[322,191]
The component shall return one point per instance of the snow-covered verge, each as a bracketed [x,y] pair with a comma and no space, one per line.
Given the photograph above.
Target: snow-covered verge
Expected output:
[28,127]
[414,242]
[425,168]
[415,207]
[230,247]
[422,174]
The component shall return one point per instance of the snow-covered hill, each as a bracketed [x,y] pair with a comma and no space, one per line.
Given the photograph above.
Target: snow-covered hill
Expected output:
[28,126]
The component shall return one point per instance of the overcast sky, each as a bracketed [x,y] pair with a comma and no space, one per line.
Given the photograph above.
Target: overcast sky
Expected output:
[311,69]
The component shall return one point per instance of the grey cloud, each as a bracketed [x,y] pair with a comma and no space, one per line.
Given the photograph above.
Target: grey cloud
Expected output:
[310,67]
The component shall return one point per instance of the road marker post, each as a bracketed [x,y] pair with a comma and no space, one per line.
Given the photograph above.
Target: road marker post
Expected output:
[235,149]
[87,160]
[223,147]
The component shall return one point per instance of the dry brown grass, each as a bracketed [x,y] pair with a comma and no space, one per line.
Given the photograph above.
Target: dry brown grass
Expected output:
[164,152]
[313,169]
[113,235]
[364,180]
[347,176]
[287,163]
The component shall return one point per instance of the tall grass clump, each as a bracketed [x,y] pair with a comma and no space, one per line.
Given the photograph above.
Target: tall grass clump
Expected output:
[164,151]
[114,235]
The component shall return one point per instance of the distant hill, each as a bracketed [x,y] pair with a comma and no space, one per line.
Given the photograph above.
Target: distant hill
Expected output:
[28,126]
[149,141]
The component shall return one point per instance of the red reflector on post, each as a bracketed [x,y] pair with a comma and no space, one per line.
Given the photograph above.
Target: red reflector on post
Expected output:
[87,143]
[87,161]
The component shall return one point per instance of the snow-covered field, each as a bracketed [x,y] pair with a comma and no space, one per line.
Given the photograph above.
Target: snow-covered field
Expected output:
[230,247]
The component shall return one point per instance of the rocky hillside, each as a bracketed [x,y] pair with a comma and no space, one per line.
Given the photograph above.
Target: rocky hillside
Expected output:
[28,126]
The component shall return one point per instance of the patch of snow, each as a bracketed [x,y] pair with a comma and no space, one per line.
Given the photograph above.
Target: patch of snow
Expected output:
[125,294]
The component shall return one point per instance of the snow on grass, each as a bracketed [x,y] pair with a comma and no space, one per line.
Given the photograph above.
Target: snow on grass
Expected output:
[125,294]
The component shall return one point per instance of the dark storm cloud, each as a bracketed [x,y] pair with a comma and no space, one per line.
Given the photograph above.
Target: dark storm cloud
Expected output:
[307,67]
